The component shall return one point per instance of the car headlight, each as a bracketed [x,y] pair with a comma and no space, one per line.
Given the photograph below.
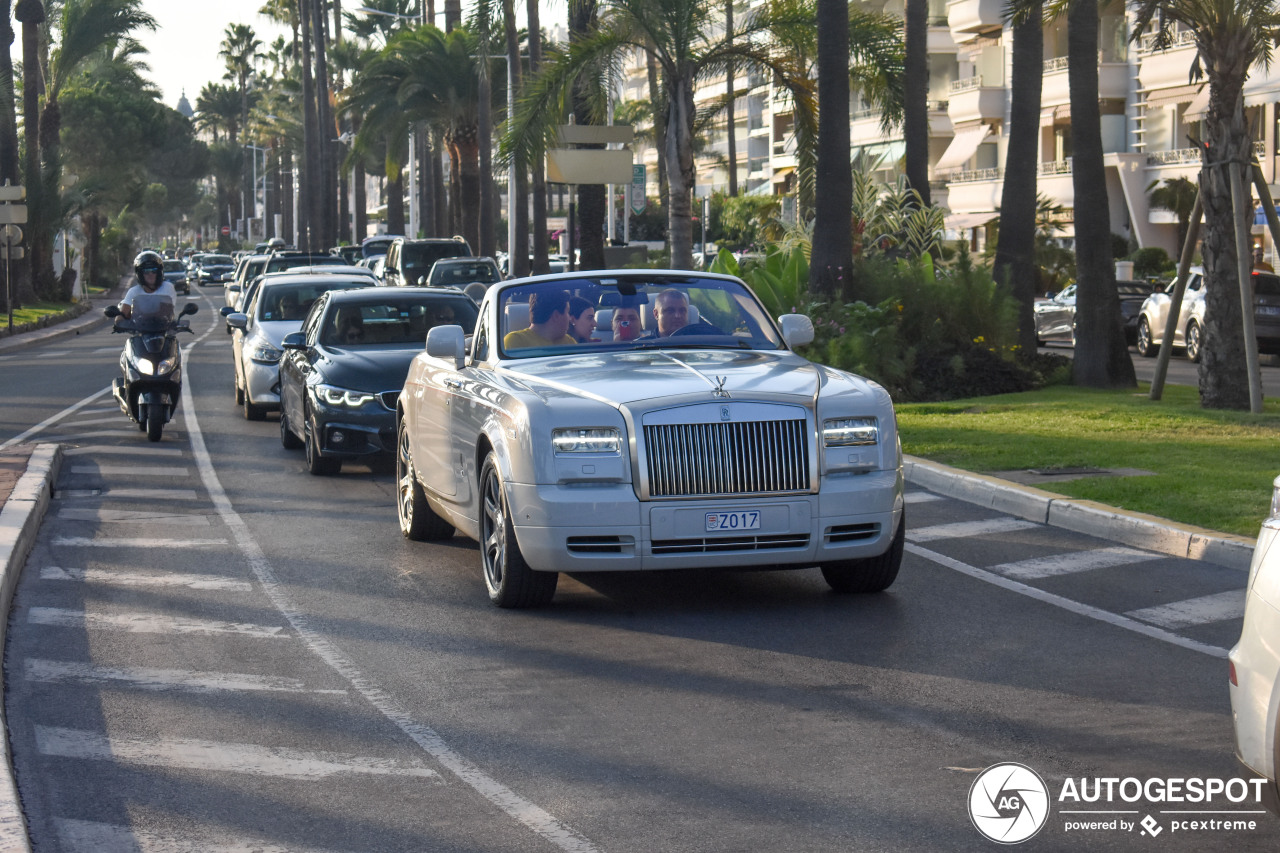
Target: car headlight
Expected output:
[589,440]
[152,368]
[342,397]
[1275,498]
[265,354]
[850,432]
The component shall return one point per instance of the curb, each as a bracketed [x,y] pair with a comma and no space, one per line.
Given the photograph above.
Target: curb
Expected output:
[19,524]
[69,323]
[1093,519]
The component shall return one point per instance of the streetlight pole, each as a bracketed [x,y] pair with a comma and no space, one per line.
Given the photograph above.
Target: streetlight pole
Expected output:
[263,151]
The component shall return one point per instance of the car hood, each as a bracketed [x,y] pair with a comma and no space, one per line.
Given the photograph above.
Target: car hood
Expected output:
[273,331]
[372,369]
[625,378]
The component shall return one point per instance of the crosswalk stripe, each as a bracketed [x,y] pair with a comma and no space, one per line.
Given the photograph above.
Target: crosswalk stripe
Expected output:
[83,836]
[86,542]
[145,678]
[964,529]
[921,497]
[155,494]
[132,470]
[193,754]
[110,578]
[125,516]
[1075,561]
[145,623]
[1194,611]
[121,449]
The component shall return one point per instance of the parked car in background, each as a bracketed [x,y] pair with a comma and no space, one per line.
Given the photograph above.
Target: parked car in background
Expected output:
[175,272]
[277,306]
[706,443]
[409,261]
[342,373]
[1254,662]
[459,272]
[1189,332]
[1055,316]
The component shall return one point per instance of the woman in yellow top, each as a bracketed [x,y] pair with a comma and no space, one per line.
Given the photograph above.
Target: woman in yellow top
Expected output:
[549,313]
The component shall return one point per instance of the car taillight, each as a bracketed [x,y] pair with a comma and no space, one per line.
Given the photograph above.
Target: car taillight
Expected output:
[1231,671]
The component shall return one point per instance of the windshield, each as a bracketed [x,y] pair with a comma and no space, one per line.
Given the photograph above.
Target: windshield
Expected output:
[445,274]
[175,266]
[216,260]
[419,257]
[278,262]
[547,318]
[394,321]
[293,301]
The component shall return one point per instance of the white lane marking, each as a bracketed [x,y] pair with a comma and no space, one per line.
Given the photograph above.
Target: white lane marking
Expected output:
[134,470]
[1076,607]
[58,353]
[193,754]
[145,623]
[83,836]
[1194,611]
[125,516]
[69,410]
[113,578]
[154,494]
[146,678]
[104,350]
[524,811]
[963,529]
[106,419]
[116,450]
[87,542]
[1077,561]
[921,497]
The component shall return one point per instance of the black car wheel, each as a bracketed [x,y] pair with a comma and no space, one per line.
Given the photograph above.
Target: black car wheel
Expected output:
[1145,347]
[871,574]
[1195,341]
[417,520]
[287,439]
[318,465]
[508,578]
[251,411]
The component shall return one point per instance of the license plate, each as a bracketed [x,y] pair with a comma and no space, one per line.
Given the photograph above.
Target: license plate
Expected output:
[718,522]
[1269,310]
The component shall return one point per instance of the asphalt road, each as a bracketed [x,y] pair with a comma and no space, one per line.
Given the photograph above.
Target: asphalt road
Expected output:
[1181,371]
[212,650]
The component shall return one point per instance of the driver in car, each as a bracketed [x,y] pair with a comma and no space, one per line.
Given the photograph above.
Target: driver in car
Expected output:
[671,310]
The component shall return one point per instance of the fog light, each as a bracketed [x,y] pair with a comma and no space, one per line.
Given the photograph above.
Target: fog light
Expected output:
[337,436]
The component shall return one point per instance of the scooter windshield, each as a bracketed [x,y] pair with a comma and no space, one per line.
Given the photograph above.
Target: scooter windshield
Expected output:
[152,312]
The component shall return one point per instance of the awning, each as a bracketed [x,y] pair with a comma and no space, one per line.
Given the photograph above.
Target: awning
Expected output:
[962,221]
[966,142]
[780,174]
[1259,91]
[1199,106]
[1174,96]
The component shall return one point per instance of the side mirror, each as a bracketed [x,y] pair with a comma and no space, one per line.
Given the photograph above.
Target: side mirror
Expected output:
[111,311]
[448,342]
[233,288]
[227,310]
[237,320]
[421,281]
[189,308]
[294,340]
[797,330]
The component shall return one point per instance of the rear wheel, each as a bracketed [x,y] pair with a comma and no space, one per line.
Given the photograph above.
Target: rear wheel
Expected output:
[155,420]
[1146,348]
[508,578]
[417,520]
[318,465]
[287,439]
[1195,341]
[870,574]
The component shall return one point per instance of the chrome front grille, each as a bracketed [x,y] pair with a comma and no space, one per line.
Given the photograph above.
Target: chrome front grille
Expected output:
[738,458]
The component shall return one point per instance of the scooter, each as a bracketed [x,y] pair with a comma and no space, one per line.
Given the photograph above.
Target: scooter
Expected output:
[150,383]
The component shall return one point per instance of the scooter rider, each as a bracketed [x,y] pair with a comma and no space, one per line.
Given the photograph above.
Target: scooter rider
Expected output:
[149,267]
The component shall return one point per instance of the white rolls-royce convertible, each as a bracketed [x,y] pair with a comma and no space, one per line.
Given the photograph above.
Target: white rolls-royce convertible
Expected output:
[681,432]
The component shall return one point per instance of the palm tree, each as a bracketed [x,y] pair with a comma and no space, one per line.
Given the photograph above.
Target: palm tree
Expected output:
[1179,196]
[915,121]
[31,14]
[538,226]
[681,37]
[517,254]
[218,111]
[8,105]
[1015,266]
[240,50]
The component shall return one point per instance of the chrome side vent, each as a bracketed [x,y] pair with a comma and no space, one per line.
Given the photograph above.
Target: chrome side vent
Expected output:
[851,533]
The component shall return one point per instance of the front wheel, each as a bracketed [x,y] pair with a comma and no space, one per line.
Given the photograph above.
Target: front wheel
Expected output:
[155,420]
[287,439]
[417,520]
[318,465]
[870,574]
[508,578]
[1146,348]
[252,412]
[1195,341]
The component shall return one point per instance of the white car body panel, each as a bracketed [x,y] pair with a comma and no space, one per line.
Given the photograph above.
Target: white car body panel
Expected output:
[1255,697]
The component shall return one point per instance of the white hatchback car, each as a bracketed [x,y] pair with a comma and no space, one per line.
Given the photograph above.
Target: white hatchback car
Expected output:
[1255,660]
[278,306]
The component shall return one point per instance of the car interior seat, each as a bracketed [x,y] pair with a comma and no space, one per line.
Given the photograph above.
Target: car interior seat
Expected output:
[516,315]
[604,324]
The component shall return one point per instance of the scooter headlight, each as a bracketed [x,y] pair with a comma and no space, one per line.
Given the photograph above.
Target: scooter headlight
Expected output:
[156,368]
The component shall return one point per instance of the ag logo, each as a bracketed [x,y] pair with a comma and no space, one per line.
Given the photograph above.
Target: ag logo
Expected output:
[1008,803]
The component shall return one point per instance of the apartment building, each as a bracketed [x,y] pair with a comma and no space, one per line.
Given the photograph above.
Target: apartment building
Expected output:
[1149,108]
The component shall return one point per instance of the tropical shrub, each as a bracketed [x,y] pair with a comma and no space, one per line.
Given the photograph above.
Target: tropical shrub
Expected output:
[1150,262]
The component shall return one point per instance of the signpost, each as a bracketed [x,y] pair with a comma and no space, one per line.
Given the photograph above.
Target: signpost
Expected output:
[12,214]
[638,201]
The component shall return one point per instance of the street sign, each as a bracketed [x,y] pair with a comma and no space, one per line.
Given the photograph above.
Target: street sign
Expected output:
[638,200]
[595,134]
[226,230]
[12,253]
[13,213]
[568,166]
[10,235]
[9,192]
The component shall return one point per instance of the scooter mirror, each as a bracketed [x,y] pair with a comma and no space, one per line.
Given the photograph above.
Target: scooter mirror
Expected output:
[112,311]
[189,308]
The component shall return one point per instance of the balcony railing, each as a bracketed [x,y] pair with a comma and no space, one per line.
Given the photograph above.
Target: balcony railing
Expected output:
[1179,39]
[1185,156]
[971,175]
[869,112]
[1058,63]
[938,106]
[1054,167]
[967,84]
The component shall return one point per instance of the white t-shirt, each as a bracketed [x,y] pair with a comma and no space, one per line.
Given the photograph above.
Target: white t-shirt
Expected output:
[148,303]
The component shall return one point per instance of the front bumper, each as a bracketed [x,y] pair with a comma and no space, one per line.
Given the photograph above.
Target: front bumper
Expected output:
[262,384]
[346,434]
[606,528]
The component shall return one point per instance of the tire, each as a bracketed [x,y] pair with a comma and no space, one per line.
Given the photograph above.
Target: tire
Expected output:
[287,439]
[1195,341]
[252,412]
[417,520]
[870,574]
[155,420]
[318,465]
[1146,348]
[239,392]
[507,577]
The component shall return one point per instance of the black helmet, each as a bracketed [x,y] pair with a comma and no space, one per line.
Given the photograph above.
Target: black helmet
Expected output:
[148,260]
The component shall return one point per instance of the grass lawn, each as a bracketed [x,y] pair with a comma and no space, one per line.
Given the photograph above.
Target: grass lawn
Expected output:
[34,311]
[1211,468]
